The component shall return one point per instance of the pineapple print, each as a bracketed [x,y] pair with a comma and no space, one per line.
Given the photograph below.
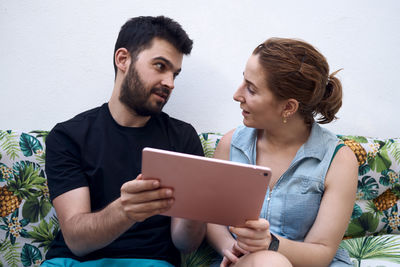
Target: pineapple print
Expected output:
[8,201]
[388,199]
[45,190]
[358,150]
[5,173]
[24,183]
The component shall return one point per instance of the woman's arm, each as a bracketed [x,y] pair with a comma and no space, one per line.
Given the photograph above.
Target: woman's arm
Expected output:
[218,236]
[324,237]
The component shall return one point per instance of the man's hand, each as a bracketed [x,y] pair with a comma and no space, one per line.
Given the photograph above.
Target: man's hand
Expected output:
[142,199]
[254,236]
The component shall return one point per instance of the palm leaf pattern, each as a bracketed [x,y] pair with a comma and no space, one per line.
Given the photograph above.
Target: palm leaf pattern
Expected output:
[394,147]
[28,182]
[204,256]
[9,143]
[22,160]
[209,143]
[10,253]
[373,247]
[42,134]
[45,232]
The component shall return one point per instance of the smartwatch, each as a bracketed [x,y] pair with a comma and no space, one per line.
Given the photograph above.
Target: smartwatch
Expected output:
[274,245]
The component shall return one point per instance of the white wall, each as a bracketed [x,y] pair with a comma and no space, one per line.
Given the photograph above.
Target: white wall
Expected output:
[56,57]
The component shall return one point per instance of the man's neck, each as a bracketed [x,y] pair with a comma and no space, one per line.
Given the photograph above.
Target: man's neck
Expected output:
[125,116]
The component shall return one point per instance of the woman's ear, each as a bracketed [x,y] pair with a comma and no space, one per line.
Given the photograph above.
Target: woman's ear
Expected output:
[122,59]
[291,106]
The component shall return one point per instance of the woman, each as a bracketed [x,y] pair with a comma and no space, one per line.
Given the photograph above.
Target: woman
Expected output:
[286,92]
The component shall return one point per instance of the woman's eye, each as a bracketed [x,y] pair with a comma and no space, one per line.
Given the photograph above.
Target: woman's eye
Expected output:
[251,91]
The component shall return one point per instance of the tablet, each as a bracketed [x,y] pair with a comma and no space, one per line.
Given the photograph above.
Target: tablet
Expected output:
[206,189]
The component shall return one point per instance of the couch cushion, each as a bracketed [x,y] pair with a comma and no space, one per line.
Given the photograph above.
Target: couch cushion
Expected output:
[28,223]
[371,251]
[378,193]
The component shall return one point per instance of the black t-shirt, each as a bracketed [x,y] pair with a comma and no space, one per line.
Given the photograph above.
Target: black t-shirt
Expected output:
[93,150]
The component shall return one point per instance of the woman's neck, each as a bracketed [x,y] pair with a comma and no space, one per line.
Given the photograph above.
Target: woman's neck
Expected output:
[292,134]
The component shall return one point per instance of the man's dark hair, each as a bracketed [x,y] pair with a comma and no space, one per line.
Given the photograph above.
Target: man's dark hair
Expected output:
[138,33]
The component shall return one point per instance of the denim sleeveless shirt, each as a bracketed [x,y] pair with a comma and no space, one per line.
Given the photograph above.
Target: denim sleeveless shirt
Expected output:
[291,207]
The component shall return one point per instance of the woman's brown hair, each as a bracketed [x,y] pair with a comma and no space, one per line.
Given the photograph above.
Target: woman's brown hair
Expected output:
[295,69]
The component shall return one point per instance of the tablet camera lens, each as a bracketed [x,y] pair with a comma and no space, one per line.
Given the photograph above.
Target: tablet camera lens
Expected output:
[265,173]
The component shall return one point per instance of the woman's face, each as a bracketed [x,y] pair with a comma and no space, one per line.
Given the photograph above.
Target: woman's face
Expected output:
[261,109]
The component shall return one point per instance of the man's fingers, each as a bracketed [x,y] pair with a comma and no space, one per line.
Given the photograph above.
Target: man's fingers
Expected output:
[139,185]
[147,196]
[149,207]
[142,211]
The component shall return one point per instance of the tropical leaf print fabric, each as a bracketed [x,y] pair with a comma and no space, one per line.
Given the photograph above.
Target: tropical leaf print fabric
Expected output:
[28,223]
[378,194]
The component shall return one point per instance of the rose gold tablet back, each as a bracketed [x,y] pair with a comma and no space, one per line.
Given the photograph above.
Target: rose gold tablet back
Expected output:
[209,190]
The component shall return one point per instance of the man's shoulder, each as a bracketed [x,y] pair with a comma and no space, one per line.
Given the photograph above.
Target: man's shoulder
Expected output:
[78,124]
[174,122]
[84,117]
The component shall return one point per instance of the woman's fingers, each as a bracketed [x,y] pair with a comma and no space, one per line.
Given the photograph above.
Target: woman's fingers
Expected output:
[253,247]
[230,256]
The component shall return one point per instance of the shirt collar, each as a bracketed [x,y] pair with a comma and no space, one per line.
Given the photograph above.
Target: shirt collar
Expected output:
[246,138]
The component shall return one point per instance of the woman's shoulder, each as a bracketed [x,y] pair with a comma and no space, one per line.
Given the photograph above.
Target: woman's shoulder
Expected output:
[345,157]
[223,148]
[343,166]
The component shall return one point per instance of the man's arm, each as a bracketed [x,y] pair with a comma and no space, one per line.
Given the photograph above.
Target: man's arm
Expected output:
[85,231]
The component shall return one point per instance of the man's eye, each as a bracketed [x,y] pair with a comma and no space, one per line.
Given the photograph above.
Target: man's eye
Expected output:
[160,66]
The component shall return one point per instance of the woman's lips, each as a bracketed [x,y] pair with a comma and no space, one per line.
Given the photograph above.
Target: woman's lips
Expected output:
[245,113]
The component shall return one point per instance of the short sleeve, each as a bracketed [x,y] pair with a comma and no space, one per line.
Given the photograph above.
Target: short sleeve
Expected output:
[63,163]
[192,143]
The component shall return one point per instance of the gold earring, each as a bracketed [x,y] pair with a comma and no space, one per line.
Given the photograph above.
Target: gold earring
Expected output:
[285,116]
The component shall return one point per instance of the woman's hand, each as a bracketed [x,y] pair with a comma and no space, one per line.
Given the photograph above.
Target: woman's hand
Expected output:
[254,236]
[232,255]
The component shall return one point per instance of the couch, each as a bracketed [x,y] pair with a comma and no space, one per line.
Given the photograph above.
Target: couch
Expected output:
[28,221]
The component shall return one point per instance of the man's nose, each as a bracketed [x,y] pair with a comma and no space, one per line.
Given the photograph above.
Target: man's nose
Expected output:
[168,81]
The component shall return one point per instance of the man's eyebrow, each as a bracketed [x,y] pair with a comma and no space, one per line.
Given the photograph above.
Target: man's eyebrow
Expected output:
[167,62]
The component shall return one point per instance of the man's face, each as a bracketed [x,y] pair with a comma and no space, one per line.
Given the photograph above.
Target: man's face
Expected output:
[150,79]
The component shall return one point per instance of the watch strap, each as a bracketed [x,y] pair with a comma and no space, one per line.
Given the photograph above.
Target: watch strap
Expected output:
[274,245]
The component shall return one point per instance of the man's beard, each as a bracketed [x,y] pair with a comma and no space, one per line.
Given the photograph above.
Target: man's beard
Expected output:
[135,96]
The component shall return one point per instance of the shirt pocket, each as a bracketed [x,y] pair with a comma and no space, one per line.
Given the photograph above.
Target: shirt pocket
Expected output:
[301,209]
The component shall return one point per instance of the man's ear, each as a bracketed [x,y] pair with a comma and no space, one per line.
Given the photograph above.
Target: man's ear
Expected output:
[290,107]
[122,59]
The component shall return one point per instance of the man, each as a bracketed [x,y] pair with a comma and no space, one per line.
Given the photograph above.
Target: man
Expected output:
[108,214]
